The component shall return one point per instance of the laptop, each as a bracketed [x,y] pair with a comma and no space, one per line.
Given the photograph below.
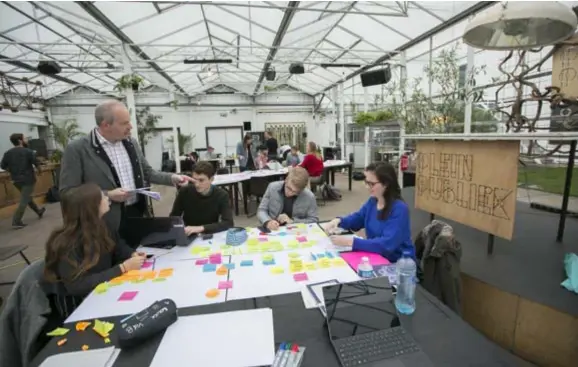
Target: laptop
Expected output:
[364,327]
[158,232]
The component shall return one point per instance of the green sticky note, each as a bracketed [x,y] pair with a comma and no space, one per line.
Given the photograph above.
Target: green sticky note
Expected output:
[159,279]
[101,288]
[59,331]
[268,257]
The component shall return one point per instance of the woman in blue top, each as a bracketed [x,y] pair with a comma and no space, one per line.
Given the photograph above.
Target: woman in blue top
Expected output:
[385,217]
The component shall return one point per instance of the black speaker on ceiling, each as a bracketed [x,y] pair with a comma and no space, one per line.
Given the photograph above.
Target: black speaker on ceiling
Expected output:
[270,75]
[376,77]
[247,125]
[47,67]
[296,68]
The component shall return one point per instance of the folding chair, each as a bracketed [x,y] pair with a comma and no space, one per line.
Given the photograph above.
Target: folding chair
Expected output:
[7,252]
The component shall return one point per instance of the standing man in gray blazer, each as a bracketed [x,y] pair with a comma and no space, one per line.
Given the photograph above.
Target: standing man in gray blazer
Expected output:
[110,158]
[288,202]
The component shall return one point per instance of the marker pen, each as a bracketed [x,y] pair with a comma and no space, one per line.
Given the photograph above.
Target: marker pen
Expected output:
[286,348]
[292,355]
[278,355]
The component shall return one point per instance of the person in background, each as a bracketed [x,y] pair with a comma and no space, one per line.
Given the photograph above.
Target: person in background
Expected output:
[284,151]
[83,252]
[293,158]
[385,217]
[288,201]
[210,153]
[193,157]
[246,154]
[111,158]
[271,144]
[313,164]
[20,161]
[262,157]
[204,208]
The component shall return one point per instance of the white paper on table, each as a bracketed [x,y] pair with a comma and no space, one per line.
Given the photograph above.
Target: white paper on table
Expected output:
[309,301]
[103,357]
[219,340]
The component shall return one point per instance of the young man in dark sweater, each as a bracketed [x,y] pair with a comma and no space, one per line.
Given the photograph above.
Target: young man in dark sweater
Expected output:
[205,208]
[21,162]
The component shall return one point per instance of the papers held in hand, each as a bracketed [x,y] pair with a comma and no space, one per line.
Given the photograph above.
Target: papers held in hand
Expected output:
[146,192]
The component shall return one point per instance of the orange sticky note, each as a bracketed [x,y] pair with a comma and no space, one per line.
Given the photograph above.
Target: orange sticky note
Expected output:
[222,270]
[82,325]
[116,282]
[212,293]
[149,275]
[132,273]
[61,342]
[85,347]
[165,273]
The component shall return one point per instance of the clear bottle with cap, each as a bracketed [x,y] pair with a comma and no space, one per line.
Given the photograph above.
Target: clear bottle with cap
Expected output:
[364,269]
[406,270]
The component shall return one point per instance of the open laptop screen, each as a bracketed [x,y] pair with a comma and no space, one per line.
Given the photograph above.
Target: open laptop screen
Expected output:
[359,307]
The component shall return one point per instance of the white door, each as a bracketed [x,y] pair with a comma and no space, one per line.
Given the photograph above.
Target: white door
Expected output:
[217,138]
[154,151]
[233,137]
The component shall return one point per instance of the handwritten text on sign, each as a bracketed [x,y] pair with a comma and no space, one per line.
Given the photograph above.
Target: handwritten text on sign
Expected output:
[464,188]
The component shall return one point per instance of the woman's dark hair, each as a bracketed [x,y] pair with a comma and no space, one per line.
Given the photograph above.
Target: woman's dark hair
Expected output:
[386,175]
[82,235]
[246,139]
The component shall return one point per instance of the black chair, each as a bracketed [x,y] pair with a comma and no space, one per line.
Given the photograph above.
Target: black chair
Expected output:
[317,189]
[7,252]
[257,186]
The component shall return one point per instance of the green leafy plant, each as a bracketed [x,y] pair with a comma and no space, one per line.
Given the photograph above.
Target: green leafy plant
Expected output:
[383,115]
[56,156]
[174,104]
[184,141]
[129,81]
[147,124]
[65,131]
[444,112]
[369,118]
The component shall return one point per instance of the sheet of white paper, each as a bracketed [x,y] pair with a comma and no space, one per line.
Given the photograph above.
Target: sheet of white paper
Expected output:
[104,357]
[152,194]
[186,276]
[219,340]
[309,301]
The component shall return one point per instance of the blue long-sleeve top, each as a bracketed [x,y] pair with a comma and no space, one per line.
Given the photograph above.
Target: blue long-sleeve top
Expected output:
[389,237]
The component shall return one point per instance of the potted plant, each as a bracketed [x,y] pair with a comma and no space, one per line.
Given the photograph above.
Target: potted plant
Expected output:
[147,124]
[364,118]
[132,81]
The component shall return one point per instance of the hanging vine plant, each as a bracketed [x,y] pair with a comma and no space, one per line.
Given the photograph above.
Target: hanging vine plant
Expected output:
[129,81]
[174,104]
[368,118]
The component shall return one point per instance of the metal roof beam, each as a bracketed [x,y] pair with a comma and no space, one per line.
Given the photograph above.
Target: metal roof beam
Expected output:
[283,26]
[91,9]
[424,36]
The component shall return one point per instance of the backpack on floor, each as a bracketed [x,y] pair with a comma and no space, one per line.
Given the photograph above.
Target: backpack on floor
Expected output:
[358,176]
[53,195]
[330,193]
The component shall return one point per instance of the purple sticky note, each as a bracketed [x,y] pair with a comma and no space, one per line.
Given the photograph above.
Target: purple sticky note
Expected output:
[128,296]
[147,264]
[300,277]
[301,239]
[201,262]
[225,284]
[263,239]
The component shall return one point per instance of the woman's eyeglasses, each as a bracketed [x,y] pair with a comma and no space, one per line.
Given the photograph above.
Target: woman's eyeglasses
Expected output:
[370,184]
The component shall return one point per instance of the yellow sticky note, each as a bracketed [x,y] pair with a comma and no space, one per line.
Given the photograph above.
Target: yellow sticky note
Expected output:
[103,328]
[205,254]
[301,225]
[294,255]
[265,247]
[115,282]
[252,242]
[307,244]
[310,266]
[277,270]
[59,331]
[277,247]
[149,275]
[293,244]
[324,263]
[338,262]
[101,288]
[226,247]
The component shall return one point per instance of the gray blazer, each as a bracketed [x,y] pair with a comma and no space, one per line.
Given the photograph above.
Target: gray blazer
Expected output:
[242,152]
[23,318]
[304,208]
[80,164]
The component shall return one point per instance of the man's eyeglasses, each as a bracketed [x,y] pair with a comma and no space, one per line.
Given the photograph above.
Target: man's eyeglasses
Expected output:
[292,190]
[370,184]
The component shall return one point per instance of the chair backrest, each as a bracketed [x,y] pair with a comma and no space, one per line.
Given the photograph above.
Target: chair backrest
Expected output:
[258,186]
[223,171]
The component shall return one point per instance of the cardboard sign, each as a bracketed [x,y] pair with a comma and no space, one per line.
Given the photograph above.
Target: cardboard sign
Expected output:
[470,182]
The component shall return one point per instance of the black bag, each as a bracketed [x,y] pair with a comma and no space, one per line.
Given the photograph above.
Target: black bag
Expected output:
[330,193]
[358,176]
[149,322]
[53,195]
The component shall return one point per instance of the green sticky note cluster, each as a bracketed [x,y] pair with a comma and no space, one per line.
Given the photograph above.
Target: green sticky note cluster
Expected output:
[198,250]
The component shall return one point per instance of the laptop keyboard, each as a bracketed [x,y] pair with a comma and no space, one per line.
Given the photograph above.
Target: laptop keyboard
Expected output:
[366,348]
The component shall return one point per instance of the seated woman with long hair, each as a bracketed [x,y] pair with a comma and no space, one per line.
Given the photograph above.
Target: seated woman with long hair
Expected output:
[385,217]
[83,252]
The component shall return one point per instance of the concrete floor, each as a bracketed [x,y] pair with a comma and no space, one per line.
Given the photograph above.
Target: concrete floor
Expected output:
[37,231]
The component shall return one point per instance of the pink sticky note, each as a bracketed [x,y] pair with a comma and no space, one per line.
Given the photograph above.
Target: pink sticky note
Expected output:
[201,262]
[225,284]
[215,259]
[301,239]
[263,239]
[128,296]
[354,258]
[300,277]
[147,264]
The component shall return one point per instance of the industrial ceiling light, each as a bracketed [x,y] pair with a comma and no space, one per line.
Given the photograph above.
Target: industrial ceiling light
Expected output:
[521,25]
[208,61]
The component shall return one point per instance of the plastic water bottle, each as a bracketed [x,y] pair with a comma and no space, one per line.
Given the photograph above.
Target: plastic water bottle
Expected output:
[364,269]
[406,280]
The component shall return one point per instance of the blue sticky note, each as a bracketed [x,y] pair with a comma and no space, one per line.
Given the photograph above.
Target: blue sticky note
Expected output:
[282,234]
[229,266]
[329,255]
[269,262]
[320,256]
[207,268]
[247,263]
